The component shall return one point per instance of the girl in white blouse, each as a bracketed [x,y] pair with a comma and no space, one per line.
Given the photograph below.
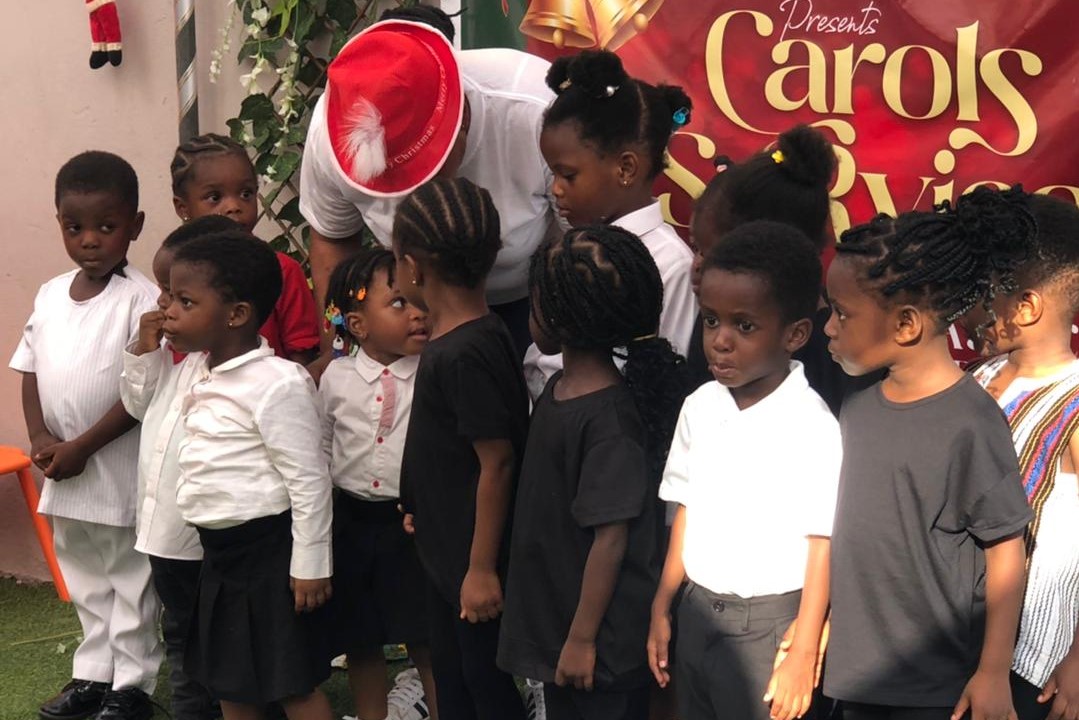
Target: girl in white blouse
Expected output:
[366,402]
[254,483]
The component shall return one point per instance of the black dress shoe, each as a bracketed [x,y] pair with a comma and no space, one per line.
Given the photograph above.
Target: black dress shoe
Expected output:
[127,704]
[79,699]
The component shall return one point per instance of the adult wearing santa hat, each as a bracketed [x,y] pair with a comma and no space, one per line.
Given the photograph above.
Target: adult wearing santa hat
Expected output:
[401,107]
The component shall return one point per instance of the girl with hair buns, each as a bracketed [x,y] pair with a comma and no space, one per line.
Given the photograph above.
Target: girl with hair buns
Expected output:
[605,139]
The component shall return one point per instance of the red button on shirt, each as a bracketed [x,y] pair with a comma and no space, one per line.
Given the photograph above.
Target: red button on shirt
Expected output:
[375,484]
[379,441]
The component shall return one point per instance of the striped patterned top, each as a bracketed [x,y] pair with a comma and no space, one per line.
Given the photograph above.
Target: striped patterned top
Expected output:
[76,350]
[1043,414]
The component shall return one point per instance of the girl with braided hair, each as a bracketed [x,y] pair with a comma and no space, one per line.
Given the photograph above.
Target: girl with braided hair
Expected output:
[927,550]
[605,139]
[585,556]
[465,440]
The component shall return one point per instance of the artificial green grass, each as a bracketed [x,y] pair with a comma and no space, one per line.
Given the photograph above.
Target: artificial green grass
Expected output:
[39,634]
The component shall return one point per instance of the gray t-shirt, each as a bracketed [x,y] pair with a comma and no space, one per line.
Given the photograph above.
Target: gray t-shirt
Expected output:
[924,486]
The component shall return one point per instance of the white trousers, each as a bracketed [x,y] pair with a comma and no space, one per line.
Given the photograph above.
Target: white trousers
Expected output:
[110,587]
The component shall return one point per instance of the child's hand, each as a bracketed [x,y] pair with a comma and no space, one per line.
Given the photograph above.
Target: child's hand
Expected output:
[41,449]
[409,523]
[788,639]
[310,594]
[1062,689]
[576,664]
[481,596]
[659,639]
[151,330]
[790,689]
[65,459]
[988,696]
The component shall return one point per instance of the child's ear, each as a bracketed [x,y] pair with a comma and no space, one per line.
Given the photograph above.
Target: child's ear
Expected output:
[629,168]
[798,335]
[909,325]
[240,314]
[357,325]
[136,229]
[180,206]
[1029,307]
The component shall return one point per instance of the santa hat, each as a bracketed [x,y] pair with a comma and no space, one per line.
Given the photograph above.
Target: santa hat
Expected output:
[394,104]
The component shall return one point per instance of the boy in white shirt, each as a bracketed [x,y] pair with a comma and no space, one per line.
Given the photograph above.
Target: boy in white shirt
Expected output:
[80,437]
[155,380]
[752,526]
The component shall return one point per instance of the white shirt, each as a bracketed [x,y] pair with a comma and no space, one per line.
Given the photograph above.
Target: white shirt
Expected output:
[755,484]
[507,94]
[153,388]
[674,260]
[252,448]
[365,411]
[1051,602]
[75,348]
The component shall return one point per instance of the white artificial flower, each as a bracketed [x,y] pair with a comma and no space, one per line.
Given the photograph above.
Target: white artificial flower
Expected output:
[261,16]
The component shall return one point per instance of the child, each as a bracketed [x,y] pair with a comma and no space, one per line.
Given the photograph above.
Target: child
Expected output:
[752,527]
[70,358]
[1036,382]
[212,175]
[465,440]
[585,555]
[605,139]
[927,550]
[253,482]
[153,384]
[787,183]
[366,402]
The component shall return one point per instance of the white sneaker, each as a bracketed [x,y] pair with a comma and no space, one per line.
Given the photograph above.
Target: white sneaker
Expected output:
[535,705]
[406,700]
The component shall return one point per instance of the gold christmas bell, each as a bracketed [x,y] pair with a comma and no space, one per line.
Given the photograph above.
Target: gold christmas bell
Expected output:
[563,23]
[619,20]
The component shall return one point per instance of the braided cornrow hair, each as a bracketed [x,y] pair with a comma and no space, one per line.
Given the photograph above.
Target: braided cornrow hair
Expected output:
[352,274]
[612,110]
[454,224]
[191,151]
[598,289]
[950,259]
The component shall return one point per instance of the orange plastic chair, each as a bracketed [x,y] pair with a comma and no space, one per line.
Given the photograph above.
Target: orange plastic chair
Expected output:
[14,460]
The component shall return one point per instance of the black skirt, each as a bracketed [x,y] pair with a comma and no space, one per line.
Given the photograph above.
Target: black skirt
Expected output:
[246,643]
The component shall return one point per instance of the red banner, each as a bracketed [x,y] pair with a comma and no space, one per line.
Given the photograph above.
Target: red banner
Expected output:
[923,99]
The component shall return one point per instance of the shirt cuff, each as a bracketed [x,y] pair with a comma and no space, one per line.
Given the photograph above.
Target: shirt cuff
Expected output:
[137,368]
[311,562]
[674,492]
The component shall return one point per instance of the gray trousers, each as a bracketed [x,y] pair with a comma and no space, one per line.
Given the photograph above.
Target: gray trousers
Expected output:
[726,648]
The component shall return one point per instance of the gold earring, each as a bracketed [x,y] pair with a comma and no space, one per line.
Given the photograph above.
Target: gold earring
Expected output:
[625,183]
[185,218]
[230,323]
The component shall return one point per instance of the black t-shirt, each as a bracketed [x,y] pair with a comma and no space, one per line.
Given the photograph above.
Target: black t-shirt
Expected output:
[924,486]
[469,387]
[823,373]
[585,466]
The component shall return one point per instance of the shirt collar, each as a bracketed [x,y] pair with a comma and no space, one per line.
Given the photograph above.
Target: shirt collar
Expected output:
[370,369]
[777,401]
[640,222]
[263,350]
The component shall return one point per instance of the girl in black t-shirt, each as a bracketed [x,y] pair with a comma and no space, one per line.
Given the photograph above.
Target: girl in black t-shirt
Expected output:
[584,557]
[465,440]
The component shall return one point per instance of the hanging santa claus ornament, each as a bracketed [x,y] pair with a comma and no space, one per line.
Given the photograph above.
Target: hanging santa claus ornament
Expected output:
[104,33]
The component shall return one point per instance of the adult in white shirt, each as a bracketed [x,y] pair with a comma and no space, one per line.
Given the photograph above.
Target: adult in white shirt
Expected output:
[401,107]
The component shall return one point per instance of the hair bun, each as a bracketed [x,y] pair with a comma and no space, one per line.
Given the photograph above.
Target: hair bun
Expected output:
[808,157]
[596,73]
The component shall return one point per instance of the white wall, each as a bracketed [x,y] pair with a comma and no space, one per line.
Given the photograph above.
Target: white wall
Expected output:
[56,107]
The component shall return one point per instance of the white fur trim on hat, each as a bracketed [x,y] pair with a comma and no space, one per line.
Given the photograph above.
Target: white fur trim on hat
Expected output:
[365,140]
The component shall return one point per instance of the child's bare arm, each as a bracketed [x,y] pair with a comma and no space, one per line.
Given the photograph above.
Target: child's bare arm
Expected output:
[481,591]
[68,459]
[577,662]
[40,437]
[790,690]
[988,694]
[674,574]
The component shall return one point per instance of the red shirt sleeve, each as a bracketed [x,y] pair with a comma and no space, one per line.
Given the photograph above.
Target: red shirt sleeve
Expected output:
[294,314]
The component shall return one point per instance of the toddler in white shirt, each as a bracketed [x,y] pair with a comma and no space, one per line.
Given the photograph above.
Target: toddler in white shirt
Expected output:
[366,402]
[254,483]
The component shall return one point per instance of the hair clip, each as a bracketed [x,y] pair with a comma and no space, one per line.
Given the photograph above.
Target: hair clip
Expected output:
[333,316]
[680,117]
[359,295]
[777,156]
[564,85]
[610,90]
[642,338]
